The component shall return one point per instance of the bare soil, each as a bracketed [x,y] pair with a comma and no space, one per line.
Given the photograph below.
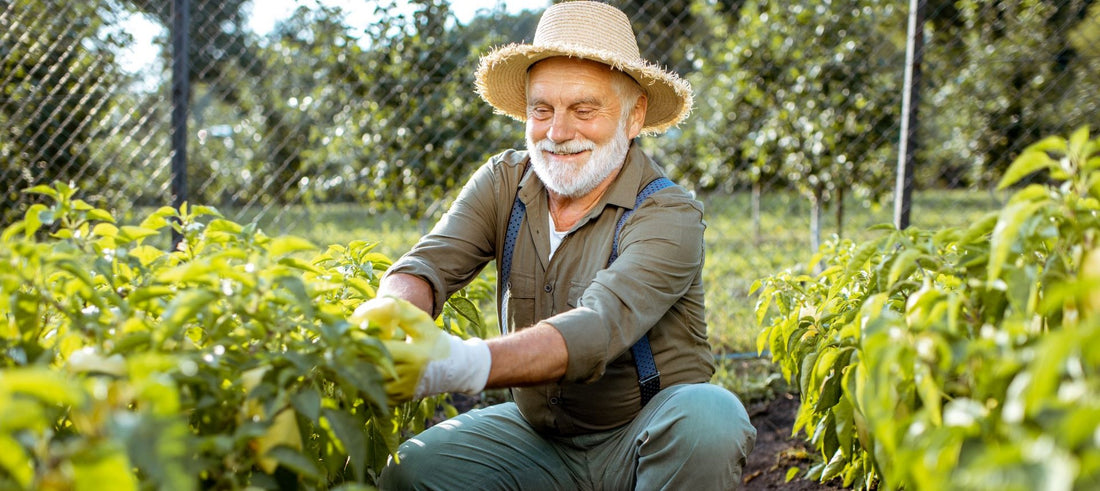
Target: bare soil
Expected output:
[776,450]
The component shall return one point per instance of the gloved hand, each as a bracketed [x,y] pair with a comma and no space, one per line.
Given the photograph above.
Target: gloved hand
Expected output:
[427,361]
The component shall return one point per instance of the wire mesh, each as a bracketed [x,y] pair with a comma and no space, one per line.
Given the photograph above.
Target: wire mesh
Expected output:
[298,103]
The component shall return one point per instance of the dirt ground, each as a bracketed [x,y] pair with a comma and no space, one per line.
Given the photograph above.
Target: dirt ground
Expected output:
[776,451]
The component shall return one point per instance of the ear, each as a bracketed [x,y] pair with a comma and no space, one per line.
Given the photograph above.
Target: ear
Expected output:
[637,117]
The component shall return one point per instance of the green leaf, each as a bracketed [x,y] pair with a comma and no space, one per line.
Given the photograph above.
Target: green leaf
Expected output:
[159,218]
[36,216]
[979,231]
[145,293]
[281,246]
[377,260]
[131,343]
[297,290]
[791,473]
[350,432]
[105,230]
[465,308]
[224,226]
[368,382]
[202,210]
[834,467]
[829,393]
[44,190]
[930,394]
[303,265]
[101,215]
[1077,142]
[856,263]
[146,254]
[184,308]
[824,364]
[1092,163]
[44,384]
[191,272]
[1009,222]
[25,310]
[130,233]
[105,464]
[294,460]
[1029,162]
[308,403]
[16,462]
[805,379]
[1055,144]
[904,265]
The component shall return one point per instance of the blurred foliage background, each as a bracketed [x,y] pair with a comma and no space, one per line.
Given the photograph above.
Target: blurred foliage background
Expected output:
[371,102]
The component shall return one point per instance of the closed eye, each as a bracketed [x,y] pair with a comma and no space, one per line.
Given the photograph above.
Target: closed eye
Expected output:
[540,113]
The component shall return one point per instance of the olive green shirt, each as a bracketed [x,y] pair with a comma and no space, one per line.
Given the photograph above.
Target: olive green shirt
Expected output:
[655,286]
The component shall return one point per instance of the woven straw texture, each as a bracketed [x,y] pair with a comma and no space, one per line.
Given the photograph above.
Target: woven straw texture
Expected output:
[588,30]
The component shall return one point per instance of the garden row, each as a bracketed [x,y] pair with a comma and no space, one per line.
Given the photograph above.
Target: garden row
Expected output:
[229,358]
[960,358]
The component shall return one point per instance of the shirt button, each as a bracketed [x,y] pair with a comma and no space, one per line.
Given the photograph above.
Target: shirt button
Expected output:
[548,288]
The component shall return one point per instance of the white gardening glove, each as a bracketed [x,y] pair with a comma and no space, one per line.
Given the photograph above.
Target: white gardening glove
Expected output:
[427,361]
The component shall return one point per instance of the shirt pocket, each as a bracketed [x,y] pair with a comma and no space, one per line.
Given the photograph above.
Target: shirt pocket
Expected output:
[519,301]
[576,291]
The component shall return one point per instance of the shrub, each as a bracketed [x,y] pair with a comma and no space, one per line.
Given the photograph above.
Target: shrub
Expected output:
[228,358]
[962,358]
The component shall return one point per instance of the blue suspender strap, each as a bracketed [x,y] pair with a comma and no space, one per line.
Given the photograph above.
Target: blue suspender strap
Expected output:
[515,218]
[649,379]
[654,186]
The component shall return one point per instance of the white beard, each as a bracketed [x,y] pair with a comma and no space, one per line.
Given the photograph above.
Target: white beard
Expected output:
[577,181]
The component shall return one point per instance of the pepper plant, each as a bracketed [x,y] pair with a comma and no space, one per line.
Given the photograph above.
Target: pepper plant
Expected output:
[226,362]
[961,358]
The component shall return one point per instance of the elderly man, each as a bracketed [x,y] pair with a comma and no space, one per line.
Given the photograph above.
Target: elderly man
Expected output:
[599,289]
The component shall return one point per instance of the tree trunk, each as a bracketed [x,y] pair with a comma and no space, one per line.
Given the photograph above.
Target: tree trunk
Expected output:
[815,221]
[840,211]
[756,212]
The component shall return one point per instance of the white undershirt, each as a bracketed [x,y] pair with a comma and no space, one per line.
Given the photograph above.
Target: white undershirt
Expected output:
[555,236]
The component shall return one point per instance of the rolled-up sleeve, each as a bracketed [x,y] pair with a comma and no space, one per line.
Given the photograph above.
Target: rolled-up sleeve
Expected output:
[461,243]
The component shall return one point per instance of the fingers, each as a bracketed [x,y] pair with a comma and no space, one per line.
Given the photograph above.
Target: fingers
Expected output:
[392,313]
[377,311]
[408,364]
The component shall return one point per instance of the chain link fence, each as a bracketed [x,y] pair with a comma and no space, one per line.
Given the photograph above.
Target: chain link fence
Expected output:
[298,103]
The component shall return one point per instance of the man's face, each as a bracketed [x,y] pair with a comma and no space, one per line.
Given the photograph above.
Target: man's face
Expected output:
[576,133]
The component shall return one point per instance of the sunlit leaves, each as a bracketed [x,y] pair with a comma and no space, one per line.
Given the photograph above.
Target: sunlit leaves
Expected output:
[217,364]
[970,348]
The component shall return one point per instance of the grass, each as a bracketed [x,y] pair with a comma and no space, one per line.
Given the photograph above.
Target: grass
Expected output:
[735,257]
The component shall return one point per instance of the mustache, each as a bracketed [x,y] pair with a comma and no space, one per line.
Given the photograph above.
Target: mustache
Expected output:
[569,147]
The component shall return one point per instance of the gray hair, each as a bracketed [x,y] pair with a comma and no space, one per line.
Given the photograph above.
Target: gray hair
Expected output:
[628,90]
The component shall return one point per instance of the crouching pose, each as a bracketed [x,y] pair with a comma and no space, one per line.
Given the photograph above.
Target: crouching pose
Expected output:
[599,292]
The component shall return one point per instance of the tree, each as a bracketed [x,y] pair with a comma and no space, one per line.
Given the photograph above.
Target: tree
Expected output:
[58,75]
[802,92]
[1001,74]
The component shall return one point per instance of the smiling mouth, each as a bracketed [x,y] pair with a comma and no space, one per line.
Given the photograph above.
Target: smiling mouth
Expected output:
[565,154]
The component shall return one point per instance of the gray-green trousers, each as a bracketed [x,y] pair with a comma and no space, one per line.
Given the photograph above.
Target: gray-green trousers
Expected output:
[689,437]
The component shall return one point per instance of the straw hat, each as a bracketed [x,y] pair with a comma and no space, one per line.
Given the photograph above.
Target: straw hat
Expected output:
[592,31]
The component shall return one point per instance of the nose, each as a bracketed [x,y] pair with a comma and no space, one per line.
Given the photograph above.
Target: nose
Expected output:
[561,129]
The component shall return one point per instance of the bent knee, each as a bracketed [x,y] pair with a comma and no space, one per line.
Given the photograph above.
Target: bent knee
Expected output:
[716,419]
[405,470]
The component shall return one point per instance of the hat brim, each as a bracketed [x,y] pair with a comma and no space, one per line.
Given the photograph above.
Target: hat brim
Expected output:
[502,81]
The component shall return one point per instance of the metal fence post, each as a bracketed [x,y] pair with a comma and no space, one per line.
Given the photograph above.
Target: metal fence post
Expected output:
[914,50]
[181,91]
